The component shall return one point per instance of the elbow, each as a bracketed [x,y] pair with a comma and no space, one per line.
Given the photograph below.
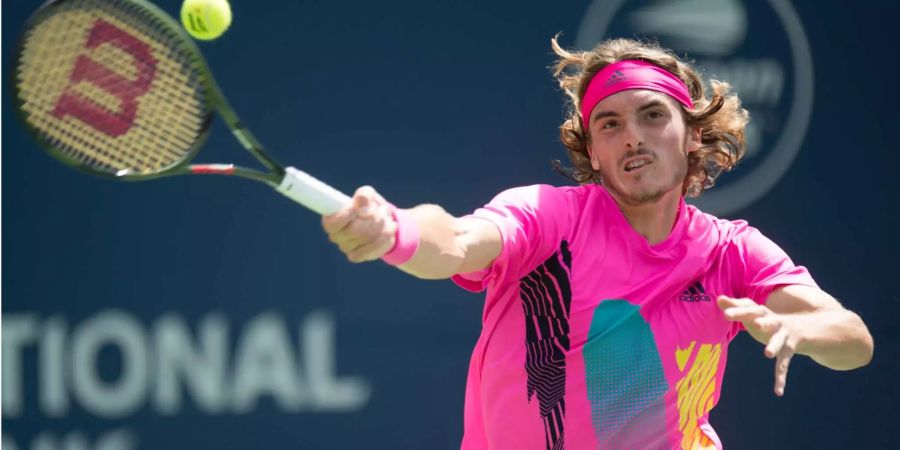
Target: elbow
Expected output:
[437,265]
[865,342]
[868,349]
[861,348]
[861,357]
[851,345]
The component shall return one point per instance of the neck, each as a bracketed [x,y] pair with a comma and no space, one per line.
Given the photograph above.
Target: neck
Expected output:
[654,221]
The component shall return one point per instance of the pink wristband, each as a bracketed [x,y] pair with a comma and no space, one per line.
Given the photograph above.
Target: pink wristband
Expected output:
[406,241]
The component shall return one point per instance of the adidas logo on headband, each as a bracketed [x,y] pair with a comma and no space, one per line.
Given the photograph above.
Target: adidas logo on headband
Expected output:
[616,77]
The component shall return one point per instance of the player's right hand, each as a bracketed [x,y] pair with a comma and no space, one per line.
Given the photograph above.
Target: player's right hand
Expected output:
[365,229]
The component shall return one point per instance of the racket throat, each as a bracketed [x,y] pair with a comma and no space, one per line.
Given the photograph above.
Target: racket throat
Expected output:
[212,169]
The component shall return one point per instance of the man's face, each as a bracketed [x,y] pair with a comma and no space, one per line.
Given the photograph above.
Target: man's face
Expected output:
[639,143]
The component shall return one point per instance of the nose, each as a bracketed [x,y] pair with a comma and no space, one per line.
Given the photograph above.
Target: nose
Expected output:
[632,135]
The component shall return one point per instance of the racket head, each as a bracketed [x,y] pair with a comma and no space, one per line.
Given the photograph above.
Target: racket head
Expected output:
[115,88]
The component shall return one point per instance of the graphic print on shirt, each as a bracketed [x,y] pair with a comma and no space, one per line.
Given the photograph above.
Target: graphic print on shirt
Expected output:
[625,380]
[696,390]
[546,295]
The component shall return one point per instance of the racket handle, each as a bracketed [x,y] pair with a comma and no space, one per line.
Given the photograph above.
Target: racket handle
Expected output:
[302,188]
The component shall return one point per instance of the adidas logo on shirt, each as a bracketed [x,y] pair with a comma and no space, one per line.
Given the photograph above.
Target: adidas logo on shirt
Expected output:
[695,293]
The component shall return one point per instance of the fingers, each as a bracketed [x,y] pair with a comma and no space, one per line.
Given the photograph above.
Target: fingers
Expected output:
[373,250]
[751,314]
[359,232]
[739,309]
[781,368]
[745,313]
[364,199]
[372,195]
[769,323]
[725,301]
[364,229]
[776,342]
[336,222]
[780,344]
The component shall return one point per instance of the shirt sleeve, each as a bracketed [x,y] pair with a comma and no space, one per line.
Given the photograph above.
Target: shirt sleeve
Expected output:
[759,266]
[532,222]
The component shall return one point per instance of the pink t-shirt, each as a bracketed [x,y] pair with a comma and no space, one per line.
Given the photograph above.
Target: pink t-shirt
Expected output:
[593,338]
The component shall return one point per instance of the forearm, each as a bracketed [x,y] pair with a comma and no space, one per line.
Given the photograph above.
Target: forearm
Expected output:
[448,245]
[424,241]
[835,338]
[439,255]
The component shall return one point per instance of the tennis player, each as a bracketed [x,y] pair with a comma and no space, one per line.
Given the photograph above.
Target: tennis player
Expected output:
[610,304]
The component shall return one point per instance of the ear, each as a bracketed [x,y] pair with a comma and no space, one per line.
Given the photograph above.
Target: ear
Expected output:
[695,139]
[595,163]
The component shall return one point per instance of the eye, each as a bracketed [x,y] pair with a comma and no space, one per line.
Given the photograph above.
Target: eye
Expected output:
[655,114]
[609,124]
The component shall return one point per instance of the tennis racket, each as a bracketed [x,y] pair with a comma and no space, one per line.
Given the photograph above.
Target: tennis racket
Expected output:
[117,88]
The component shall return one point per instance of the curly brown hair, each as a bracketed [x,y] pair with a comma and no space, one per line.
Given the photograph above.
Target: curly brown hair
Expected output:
[721,118]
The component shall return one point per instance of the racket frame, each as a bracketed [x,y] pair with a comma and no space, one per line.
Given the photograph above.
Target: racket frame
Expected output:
[214,101]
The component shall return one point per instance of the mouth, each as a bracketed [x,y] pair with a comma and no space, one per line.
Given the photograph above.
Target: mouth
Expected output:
[636,164]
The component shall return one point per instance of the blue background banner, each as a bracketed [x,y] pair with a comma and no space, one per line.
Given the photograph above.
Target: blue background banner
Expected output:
[208,312]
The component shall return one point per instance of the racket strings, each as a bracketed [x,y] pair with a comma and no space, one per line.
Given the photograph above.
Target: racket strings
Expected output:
[46,77]
[109,87]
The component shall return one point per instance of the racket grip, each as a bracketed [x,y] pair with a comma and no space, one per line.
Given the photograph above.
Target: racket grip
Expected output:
[306,190]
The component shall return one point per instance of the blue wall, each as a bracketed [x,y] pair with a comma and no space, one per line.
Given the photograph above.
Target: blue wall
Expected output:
[442,102]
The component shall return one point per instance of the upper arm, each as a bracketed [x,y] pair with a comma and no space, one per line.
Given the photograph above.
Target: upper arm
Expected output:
[480,241]
[511,234]
[759,267]
[798,298]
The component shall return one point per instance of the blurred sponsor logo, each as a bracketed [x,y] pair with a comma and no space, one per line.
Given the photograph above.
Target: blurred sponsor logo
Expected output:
[775,84]
[111,365]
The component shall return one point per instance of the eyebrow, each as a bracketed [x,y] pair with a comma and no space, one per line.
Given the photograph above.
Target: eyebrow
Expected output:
[651,104]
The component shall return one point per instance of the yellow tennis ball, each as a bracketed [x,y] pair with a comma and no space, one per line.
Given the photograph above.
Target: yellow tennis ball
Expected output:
[205,19]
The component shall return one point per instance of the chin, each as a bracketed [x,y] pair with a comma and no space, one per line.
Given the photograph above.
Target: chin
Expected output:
[636,197]
[645,198]
[640,195]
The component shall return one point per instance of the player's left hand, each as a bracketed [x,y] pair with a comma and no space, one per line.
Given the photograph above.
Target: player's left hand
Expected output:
[776,331]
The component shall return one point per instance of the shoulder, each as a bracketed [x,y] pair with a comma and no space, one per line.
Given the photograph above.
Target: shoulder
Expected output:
[728,231]
[545,189]
[738,238]
[542,196]
[733,240]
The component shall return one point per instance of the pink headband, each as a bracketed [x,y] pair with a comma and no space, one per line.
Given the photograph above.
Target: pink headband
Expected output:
[632,74]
